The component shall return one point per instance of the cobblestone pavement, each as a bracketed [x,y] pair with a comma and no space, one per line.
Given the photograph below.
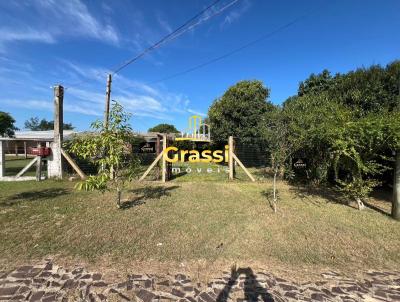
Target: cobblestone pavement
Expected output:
[49,282]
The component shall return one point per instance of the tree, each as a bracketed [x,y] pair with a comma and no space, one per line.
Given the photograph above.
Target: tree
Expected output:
[366,90]
[240,112]
[316,83]
[7,127]
[356,150]
[312,120]
[280,145]
[35,124]
[164,128]
[107,148]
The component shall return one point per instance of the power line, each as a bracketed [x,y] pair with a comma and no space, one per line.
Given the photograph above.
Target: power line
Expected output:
[230,53]
[171,35]
[219,11]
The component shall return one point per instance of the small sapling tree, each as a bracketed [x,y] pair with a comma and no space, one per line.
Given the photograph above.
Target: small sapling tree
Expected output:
[280,146]
[108,149]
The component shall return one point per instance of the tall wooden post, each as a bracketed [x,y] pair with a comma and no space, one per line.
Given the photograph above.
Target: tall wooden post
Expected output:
[230,157]
[25,150]
[54,166]
[58,112]
[108,96]
[396,189]
[158,151]
[164,163]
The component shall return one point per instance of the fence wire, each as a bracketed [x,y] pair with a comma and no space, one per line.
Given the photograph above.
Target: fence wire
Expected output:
[252,152]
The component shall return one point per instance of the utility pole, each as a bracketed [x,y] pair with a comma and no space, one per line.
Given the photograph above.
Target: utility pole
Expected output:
[54,164]
[108,95]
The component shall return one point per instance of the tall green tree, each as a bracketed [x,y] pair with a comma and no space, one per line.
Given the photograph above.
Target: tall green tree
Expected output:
[7,126]
[313,120]
[316,83]
[348,126]
[35,124]
[164,128]
[366,90]
[240,112]
[107,149]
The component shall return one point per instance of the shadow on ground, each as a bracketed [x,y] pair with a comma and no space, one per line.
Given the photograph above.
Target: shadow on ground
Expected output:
[252,288]
[269,195]
[33,196]
[145,193]
[313,193]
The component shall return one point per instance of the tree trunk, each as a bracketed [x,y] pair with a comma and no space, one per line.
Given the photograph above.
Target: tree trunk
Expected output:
[119,193]
[274,201]
[396,189]
[360,204]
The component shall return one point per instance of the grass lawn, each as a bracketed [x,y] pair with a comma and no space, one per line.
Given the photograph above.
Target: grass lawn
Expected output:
[14,164]
[187,223]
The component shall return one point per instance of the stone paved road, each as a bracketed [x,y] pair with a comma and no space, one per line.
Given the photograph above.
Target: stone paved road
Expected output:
[49,282]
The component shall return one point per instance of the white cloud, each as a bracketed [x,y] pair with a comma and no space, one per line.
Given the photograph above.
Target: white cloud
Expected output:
[30,104]
[49,106]
[26,34]
[138,98]
[79,72]
[234,15]
[85,95]
[49,20]
[164,23]
[196,112]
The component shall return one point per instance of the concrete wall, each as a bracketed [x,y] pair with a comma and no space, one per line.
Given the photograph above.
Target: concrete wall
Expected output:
[54,162]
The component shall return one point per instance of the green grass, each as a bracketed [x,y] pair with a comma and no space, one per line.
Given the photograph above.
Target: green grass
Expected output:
[211,172]
[14,164]
[186,221]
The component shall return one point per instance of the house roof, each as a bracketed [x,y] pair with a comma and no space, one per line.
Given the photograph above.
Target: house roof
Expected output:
[47,136]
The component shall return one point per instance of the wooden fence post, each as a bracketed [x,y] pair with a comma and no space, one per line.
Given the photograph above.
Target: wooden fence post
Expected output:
[164,164]
[158,151]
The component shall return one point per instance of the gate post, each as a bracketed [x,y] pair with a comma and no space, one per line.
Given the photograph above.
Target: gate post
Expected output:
[164,164]
[54,164]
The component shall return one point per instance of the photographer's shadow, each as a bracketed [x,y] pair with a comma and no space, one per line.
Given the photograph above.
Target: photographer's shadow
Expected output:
[252,288]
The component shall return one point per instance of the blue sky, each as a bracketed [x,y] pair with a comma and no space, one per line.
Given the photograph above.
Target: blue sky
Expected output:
[45,42]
